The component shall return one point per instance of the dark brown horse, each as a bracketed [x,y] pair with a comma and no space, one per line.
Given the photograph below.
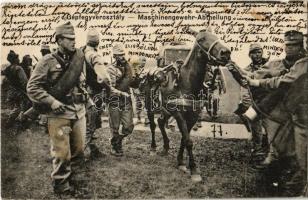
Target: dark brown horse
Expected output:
[182,100]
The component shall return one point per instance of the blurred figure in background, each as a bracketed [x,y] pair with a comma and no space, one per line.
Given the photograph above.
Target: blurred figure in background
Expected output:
[95,68]
[16,93]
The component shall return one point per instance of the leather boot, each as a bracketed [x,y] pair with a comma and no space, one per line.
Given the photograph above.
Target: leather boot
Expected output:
[95,152]
[270,159]
[120,149]
[115,146]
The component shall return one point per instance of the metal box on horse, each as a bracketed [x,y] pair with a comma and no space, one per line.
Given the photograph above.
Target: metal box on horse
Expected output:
[172,53]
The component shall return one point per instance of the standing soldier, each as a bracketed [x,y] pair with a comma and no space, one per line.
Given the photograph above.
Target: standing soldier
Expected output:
[120,106]
[57,84]
[299,110]
[95,66]
[294,51]
[294,47]
[17,82]
[258,135]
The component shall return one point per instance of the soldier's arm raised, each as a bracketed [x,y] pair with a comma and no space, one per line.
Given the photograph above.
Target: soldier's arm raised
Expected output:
[295,72]
[99,65]
[238,73]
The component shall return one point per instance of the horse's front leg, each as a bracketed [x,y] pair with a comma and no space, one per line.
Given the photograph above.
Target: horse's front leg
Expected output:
[152,127]
[188,143]
[183,128]
[195,174]
[161,123]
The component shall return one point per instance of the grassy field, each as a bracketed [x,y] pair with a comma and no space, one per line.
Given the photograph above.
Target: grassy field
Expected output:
[224,167]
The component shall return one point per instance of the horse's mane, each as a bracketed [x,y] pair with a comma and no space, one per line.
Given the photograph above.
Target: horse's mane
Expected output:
[193,50]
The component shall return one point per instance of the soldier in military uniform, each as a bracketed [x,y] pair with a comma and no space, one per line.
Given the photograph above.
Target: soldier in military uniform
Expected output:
[45,49]
[57,86]
[16,91]
[299,117]
[96,68]
[294,51]
[120,104]
[26,64]
[258,135]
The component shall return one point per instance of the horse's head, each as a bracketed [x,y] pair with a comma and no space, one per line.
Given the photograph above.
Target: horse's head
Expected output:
[209,45]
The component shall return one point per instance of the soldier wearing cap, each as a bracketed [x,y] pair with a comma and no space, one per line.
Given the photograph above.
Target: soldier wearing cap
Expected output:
[58,84]
[270,73]
[96,69]
[16,91]
[294,49]
[296,185]
[120,105]
[258,135]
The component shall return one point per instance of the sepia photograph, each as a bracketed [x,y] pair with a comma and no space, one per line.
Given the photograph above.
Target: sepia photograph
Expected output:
[154,100]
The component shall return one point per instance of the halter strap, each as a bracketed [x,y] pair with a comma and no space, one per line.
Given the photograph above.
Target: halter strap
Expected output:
[212,45]
[208,52]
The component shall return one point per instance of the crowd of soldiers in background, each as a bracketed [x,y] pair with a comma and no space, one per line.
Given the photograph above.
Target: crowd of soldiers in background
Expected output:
[16,75]
[118,75]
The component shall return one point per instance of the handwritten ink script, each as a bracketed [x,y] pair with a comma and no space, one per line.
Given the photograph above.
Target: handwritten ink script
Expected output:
[145,27]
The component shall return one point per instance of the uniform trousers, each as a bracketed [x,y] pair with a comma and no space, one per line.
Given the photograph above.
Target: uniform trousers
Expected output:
[67,142]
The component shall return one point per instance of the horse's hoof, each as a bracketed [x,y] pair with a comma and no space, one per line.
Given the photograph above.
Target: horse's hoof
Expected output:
[196,178]
[183,168]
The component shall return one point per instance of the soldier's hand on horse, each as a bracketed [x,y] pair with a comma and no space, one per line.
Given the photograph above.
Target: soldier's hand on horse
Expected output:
[252,82]
[231,66]
[58,107]
[244,82]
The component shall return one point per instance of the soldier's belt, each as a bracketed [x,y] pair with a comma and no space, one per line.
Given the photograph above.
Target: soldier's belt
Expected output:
[76,98]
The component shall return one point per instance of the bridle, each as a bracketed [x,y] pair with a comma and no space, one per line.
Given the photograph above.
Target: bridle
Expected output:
[212,59]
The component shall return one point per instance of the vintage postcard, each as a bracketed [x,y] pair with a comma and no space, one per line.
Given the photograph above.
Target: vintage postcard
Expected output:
[154,100]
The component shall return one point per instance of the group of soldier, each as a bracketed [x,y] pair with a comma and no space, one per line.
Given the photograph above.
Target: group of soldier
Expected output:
[58,88]
[64,83]
[269,82]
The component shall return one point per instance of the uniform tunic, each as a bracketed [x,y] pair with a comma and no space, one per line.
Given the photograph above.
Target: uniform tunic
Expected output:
[46,74]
